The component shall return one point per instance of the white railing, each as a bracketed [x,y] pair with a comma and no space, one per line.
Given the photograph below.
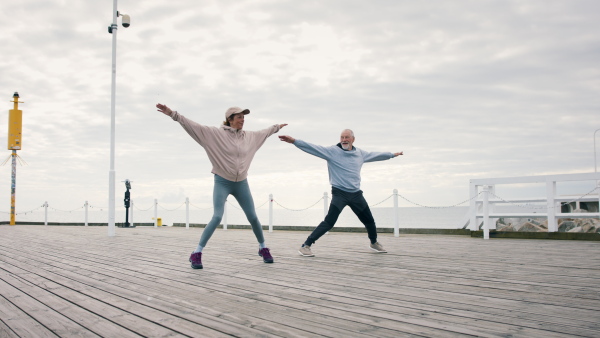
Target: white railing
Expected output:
[484,198]
[89,209]
[482,211]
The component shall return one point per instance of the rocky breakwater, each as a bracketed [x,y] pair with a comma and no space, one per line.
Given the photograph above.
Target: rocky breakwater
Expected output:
[582,225]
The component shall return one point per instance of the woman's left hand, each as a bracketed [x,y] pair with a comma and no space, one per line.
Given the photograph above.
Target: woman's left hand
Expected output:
[164,109]
[282,125]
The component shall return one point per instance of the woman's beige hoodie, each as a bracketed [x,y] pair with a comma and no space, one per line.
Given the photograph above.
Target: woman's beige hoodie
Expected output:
[229,150]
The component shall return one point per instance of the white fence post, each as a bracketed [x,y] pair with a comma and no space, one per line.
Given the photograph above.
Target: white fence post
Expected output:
[598,193]
[473,206]
[551,205]
[46,213]
[486,212]
[325,204]
[396,220]
[187,212]
[155,213]
[86,213]
[270,212]
[225,216]
[492,208]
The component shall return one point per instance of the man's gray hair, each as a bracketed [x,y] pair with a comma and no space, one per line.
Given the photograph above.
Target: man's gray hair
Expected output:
[350,130]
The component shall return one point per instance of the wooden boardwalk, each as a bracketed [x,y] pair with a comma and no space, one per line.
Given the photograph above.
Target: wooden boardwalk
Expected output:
[78,282]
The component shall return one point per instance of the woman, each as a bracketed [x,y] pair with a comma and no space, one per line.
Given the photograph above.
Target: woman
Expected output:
[230,150]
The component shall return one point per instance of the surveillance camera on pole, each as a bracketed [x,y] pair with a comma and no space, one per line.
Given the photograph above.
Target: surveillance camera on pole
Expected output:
[125,21]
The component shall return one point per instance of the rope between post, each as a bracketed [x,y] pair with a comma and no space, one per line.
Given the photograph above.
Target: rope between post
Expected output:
[387,198]
[444,207]
[298,209]
[182,204]
[199,207]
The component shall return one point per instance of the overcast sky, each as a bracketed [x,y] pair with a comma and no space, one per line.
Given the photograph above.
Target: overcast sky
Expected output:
[467,89]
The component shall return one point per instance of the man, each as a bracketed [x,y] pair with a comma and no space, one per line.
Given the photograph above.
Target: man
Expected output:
[344,162]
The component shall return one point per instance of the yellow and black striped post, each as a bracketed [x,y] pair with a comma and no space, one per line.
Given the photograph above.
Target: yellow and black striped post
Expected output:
[15,119]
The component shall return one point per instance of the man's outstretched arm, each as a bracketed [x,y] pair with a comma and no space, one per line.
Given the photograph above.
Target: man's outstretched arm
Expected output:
[379,156]
[313,149]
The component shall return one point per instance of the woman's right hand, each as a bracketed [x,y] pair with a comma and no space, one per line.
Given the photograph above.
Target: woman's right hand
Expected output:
[164,109]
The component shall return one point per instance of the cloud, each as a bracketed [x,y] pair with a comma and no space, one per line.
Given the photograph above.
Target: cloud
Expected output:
[468,89]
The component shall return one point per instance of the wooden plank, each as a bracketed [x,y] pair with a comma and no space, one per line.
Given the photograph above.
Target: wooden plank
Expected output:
[382,296]
[324,328]
[53,321]
[154,301]
[93,322]
[20,322]
[6,331]
[426,285]
[239,287]
[146,320]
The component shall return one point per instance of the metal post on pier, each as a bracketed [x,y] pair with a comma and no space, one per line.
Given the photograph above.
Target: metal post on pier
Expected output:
[86,213]
[15,142]
[396,221]
[187,212]
[270,212]
[13,187]
[112,29]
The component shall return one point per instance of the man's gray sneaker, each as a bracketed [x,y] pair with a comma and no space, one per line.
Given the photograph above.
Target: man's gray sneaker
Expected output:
[305,251]
[378,247]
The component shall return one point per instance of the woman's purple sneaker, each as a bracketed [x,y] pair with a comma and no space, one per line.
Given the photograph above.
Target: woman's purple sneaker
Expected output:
[266,255]
[196,260]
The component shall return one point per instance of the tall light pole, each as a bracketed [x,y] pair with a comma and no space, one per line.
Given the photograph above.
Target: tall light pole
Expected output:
[595,165]
[112,29]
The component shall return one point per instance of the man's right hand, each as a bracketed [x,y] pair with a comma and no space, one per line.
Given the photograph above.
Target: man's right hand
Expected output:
[287,139]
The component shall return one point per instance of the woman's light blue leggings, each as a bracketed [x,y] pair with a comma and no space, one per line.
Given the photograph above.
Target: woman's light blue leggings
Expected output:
[241,191]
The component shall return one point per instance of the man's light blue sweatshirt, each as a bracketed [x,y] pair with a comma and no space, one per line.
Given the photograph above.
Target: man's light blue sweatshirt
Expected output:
[344,165]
